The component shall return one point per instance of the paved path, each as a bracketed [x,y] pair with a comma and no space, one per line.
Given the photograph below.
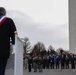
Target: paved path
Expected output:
[45,72]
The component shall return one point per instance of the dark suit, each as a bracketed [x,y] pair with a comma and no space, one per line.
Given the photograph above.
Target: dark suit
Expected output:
[7,29]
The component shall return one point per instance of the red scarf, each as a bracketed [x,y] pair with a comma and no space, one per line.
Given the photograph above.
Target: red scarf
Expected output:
[2,19]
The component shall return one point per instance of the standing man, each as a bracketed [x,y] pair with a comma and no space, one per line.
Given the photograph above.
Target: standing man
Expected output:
[7,32]
[57,62]
[30,63]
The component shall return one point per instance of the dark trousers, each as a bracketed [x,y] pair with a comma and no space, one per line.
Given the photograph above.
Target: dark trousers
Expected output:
[29,67]
[3,63]
[72,66]
[52,65]
[57,65]
[67,65]
[62,65]
[43,65]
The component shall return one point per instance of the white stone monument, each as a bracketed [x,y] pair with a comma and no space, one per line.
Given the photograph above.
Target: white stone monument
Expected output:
[72,26]
[15,62]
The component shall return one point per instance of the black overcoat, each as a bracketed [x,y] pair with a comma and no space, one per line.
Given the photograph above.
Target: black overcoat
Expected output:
[7,29]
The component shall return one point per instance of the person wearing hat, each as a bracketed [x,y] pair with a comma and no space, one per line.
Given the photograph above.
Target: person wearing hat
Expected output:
[7,32]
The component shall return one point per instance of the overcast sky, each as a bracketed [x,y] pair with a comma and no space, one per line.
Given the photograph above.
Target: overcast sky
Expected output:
[40,20]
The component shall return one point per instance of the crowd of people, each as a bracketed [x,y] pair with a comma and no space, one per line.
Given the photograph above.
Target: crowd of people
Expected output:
[50,61]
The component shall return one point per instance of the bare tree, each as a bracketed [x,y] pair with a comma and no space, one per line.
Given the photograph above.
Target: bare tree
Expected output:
[50,48]
[26,45]
[38,48]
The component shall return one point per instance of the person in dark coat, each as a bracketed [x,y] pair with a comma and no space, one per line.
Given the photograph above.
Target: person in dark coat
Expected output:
[67,61]
[72,62]
[52,62]
[44,62]
[57,62]
[7,32]
[30,61]
[62,62]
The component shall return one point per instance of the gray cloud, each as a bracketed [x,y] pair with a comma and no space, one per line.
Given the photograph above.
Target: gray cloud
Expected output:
[49,34]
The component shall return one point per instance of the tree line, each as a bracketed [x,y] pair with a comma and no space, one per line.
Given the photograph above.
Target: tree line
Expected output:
[38,48]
